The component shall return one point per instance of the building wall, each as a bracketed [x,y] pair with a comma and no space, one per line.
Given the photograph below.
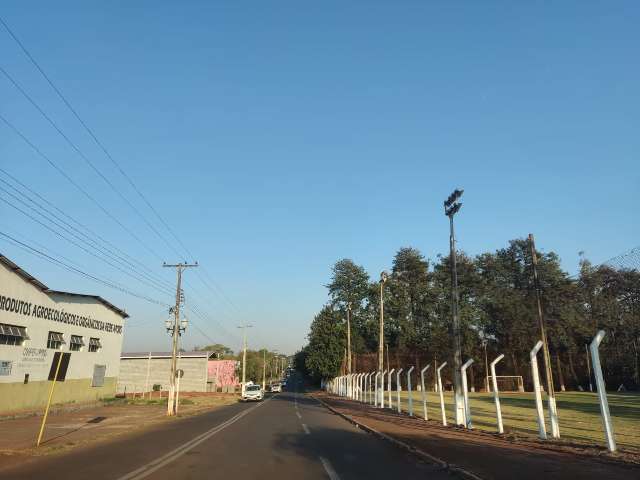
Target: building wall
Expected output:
[222,373]
[133,374]
[67,314]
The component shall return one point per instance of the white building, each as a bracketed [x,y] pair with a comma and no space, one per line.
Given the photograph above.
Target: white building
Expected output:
[37,325]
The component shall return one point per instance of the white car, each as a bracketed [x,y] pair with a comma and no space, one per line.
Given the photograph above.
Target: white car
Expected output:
[252,392]
[276,387]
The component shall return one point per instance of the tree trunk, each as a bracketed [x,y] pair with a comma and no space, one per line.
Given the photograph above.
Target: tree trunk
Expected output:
[572,370]
[560,375]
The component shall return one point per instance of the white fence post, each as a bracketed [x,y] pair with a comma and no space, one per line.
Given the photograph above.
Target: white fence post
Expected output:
[444,414]
[399,388]
[424,391]
[382,377]
[390,388]
[361,393]
[465,392]
[496,397]
[542,428]
[375,389]
[409,392]
[602,391]
[370,387]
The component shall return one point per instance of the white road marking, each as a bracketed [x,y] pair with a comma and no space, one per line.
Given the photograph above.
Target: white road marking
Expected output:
[306,429]
[176,453]
[299,416]
[329,469]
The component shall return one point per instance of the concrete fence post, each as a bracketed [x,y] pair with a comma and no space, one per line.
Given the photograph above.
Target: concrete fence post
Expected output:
[361,387]
[465,392]
[371,391]
[384,374]
[496,397]
[375,392]
[389,381]
[409,392]
[542,429]
[399,388]
[424,392]
[439,376]
[602,391]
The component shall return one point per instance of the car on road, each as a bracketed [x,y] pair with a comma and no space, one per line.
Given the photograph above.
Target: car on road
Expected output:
[252,392]
[276,387]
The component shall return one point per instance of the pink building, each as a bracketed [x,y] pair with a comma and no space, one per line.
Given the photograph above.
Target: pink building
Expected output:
[222,374]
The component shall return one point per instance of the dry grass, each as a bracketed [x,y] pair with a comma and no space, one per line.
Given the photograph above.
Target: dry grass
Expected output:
[579,414]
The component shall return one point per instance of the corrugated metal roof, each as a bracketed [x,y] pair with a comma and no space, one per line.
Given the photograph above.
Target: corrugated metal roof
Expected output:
[38,284]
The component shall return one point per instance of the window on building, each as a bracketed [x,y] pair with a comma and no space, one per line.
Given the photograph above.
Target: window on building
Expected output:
[12,335]
[94,345]
[76,343]
[55,341]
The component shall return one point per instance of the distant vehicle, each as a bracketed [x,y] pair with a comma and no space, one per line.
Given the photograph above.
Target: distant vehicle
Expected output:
[276,387]
[252,392]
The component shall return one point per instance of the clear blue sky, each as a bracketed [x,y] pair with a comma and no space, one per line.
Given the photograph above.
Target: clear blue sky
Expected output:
[278,137]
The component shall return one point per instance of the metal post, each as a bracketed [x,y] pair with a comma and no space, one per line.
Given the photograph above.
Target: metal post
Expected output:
[424,392]
[496,397]
[452,206]
[602,391]
[542,429]
[553,411]
[349,337]
[444,414]
[46,410]
[467,407]
[264,370]
[390,388]
[586,347]
[409,392]
[383,279]
[398,388]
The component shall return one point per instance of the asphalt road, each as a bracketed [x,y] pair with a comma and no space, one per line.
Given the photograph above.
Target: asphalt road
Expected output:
[289,435]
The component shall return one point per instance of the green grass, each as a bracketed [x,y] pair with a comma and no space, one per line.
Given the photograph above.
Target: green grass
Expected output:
[579,414]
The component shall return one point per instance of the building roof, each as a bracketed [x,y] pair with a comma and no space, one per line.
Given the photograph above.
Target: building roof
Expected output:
[167,355]
[41,286]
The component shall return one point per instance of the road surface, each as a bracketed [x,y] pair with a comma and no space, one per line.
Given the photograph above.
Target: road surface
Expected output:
[287,436]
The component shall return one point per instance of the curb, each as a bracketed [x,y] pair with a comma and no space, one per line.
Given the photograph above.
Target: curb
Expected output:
[405,446]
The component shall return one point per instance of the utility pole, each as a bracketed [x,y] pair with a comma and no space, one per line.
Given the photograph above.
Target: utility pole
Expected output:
[348,338]
[553,413]
[175,330]
[244,355]
[383,279]
[264,369]
[451,207]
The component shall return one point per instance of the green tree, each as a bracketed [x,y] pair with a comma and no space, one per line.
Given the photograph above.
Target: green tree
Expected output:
[327,343]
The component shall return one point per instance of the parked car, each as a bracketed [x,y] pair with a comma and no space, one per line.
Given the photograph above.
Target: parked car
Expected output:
[276,387]
[252,392]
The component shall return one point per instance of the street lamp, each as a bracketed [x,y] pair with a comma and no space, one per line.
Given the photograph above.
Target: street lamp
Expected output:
[384,276]
[451,207]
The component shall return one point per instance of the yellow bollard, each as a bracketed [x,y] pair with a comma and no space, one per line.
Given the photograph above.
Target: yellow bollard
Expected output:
[46,411]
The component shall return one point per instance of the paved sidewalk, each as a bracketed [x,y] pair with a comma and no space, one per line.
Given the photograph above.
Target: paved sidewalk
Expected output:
[68,429]
[490,456]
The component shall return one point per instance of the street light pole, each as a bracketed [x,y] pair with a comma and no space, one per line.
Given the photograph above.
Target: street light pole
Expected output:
[383,280]
[264,369]
[348,338]
[451,207]
[175,331]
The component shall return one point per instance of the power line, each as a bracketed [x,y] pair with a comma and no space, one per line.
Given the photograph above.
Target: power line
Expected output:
[82,155]
[70,268]
[108,155]
[75,184]
[90,242]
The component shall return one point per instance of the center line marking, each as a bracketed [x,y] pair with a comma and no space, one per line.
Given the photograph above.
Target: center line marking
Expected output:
[306,429]
[329,469]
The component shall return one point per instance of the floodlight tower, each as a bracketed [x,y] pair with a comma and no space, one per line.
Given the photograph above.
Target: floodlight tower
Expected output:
[451,207]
